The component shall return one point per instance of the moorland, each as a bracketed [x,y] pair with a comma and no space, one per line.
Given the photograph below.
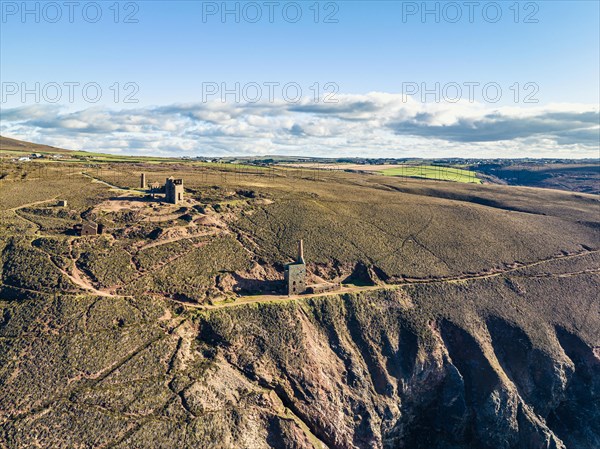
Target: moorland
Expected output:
[468,314]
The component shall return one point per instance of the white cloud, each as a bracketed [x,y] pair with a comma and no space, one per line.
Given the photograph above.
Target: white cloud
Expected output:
[377,124]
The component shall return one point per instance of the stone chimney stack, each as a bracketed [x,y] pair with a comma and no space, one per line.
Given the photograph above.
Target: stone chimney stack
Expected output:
[300,251]
[143,181]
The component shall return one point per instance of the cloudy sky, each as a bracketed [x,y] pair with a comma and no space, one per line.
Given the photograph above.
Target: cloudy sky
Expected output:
[393,79]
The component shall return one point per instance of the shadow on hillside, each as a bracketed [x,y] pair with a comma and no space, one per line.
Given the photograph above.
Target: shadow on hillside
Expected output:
[139,199]
[247,287]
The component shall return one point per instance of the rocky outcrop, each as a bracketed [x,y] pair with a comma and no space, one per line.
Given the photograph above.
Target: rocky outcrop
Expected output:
[390,368]
[366,371]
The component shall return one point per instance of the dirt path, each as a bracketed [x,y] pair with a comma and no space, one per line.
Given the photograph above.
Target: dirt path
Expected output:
[161,218]
[35,203]
[521,266]
[77,278]
[16,210]
[354,289]
[180,237]
[112,186]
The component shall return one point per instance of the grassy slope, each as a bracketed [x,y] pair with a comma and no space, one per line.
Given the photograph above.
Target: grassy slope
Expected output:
[12,148]
[12,145]
[432,172]
[413,229]
[143,371]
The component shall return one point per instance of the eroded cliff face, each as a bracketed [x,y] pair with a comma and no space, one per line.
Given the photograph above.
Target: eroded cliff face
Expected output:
[369,371]
[446,366]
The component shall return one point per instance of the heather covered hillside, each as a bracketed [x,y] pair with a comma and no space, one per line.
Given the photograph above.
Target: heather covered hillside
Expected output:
[466,315]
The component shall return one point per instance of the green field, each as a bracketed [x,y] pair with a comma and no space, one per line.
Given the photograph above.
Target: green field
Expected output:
[434,172]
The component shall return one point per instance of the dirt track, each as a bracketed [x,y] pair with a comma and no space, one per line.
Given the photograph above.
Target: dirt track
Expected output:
[456,279]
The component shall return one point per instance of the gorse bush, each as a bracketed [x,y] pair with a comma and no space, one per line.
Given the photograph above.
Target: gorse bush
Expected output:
[29,268]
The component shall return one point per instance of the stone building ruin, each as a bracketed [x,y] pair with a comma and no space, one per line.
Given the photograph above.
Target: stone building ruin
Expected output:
[87,228]
[295,273]
[174,190]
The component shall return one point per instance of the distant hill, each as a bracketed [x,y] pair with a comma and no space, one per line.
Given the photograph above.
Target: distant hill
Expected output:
[574,176]
[581,176]
[8,144]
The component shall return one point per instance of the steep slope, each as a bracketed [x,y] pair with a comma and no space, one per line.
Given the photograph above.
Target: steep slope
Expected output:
[414,367]
[480,327]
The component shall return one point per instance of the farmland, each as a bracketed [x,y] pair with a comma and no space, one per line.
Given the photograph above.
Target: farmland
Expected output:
[439,173]
[415,170]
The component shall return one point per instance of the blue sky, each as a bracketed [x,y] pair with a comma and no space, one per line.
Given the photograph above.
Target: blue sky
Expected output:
[171,51]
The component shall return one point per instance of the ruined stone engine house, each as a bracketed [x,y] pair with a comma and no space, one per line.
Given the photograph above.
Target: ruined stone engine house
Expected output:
[295,273]
[174,190]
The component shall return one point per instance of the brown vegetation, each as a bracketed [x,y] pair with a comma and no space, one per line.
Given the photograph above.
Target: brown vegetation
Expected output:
[469,315]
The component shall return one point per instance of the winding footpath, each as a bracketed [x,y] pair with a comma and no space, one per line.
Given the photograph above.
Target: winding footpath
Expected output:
[353,289]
